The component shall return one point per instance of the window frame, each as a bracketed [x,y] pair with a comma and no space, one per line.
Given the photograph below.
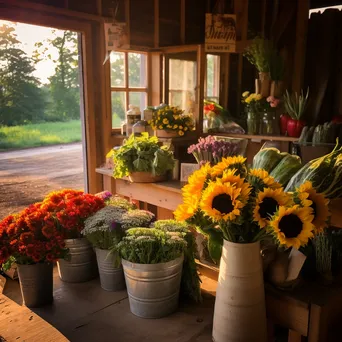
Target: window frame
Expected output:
[127,89]
[217,72]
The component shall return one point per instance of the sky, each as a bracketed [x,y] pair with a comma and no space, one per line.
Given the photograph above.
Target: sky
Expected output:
[31,34]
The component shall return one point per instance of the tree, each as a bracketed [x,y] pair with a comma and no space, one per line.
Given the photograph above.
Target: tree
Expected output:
[64,84]
[21,99]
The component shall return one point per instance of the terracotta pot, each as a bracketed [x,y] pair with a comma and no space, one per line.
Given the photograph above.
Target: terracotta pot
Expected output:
[284,118]
[265,83]
[277,88]
[146,177]
[166,134]
[295,127]
[240,313]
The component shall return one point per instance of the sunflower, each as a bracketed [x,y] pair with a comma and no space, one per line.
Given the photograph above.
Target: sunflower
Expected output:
[185,211]
[293,226]
[307,196]
[220,201]
[261,179]
[236,162]
[231,176]
[267,203]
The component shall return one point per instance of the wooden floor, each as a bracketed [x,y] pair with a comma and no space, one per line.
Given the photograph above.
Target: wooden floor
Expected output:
[86,313]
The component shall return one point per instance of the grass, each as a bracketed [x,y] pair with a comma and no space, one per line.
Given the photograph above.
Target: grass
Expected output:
[34,135]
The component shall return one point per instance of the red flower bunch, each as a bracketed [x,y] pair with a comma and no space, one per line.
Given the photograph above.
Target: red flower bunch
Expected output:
[71,208]
[31,237]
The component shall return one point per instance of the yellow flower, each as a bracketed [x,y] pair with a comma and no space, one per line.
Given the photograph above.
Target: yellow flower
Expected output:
[185,129]
[237,162]
[293,226]
[309,197]
[184,212]
[180,127]
[168,126]
[175,126]
[181,133]
[261,179]
[231,176]
[267,204]
[160,127]
[165,121]
[220,201]
[249,99]
[258,97]
[245,93]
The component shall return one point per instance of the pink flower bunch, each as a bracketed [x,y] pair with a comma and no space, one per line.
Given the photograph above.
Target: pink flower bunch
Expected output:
[273,101]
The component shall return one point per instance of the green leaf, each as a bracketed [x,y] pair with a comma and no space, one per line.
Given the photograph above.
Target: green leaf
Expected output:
[215,243]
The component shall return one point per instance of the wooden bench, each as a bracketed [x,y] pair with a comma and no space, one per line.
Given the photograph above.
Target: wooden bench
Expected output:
[18,323]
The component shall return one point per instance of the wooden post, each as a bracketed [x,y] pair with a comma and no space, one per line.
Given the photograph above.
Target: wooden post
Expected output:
[201,64]
[303,7]
[182,21]
[156,23]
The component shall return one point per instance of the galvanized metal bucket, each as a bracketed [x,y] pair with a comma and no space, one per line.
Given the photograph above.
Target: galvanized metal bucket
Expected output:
[111,278]
[82,265]
[153,289]
[36,284]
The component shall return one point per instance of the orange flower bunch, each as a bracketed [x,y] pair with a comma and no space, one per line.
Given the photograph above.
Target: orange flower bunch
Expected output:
[71,208]
[31,237]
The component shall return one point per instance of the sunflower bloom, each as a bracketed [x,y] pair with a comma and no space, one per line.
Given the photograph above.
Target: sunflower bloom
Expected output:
[260,179]
[236,162]
[220,201]
[293,226]
[267,203]
[230,176]
[307,196]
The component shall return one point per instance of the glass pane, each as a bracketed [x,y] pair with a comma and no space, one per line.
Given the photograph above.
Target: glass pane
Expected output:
[118,108]
[182,75]
[117,66]
[138,99]
[213,77]
[137,70]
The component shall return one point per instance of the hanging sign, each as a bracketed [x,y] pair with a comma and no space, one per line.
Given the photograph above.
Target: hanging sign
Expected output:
[220,34]
[116,36]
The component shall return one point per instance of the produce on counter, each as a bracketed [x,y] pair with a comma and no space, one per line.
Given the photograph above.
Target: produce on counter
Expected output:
[267,159]
[321,134]
[286,168]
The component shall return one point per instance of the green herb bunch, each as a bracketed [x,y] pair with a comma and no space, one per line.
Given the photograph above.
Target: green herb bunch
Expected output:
[265,57]
[103,230]
[142,154]
[295,105]
[136,218]
[191,282]
[151,246]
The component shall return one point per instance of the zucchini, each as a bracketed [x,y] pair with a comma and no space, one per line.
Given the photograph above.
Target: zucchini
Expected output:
[267,159]
[286,168]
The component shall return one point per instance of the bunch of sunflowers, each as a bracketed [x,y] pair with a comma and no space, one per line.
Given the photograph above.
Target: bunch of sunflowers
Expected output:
[172,119]
[246,205]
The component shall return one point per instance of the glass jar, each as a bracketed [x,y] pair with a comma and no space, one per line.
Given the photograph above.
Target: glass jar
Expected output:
[212,124]
[253,122]
[267,123]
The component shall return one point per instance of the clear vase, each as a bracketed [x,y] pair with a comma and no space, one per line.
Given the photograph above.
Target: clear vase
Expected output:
[212,124]
[253,122]
[267,123]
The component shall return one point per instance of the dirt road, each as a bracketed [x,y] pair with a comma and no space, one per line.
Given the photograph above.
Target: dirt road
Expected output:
[26,176]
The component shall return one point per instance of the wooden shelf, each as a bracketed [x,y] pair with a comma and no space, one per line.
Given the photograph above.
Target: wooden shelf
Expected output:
[259,137]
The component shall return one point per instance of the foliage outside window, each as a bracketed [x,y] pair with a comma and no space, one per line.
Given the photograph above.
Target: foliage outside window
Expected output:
[212,86]
[128,83]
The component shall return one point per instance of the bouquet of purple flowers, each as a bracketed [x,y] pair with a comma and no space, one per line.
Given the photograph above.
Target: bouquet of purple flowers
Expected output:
[211,149]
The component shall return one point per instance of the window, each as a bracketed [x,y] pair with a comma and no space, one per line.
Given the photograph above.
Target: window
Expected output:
[182,84]
[212,88]
[128,83]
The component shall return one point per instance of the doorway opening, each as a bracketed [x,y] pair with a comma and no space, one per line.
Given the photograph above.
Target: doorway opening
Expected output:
[42,144]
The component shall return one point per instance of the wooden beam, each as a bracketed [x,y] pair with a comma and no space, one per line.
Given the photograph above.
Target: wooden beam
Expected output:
[39,8]
[156,23]
[201,66]
[128,19]
[182,21]
[225,69]
[300,49]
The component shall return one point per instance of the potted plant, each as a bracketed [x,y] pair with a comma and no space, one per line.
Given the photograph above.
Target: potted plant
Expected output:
[142,159]
[170,122]
[71,208]
[191,282]
[152,261]
[295,106]
[254,107]
[237,207]
[31,240]
[270,65]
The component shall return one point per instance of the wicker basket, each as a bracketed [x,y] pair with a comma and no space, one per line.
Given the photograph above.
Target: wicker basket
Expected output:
[146,177]
[160,133]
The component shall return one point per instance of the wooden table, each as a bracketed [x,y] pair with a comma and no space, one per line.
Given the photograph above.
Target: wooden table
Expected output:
[18,323]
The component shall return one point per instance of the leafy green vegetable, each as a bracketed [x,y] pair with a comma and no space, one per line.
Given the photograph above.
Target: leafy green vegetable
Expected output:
[142,154]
